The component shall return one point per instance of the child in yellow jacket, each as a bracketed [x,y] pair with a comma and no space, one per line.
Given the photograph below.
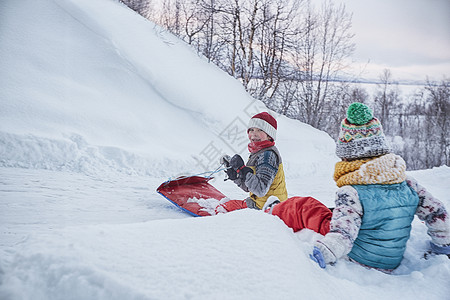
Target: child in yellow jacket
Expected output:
[263,175]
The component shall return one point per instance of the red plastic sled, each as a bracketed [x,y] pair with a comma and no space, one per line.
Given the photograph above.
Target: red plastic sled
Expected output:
[192,194]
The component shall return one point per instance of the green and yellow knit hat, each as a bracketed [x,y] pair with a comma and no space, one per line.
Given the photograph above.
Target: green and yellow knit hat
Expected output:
[361,134]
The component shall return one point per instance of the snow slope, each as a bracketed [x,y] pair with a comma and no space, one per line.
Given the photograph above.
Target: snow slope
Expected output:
[98,107]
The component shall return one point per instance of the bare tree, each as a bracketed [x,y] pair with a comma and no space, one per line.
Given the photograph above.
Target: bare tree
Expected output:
[320,55]
[343,95]
[387,101]
[194,20]
[424,124]
[279,26]
[438,121]
[142,7]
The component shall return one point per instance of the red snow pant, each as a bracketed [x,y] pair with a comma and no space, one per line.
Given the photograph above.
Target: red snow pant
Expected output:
[296,212]
[233,205]
[304,212]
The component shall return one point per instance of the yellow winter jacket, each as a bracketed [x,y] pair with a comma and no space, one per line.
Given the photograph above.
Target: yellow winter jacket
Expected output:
[278,186]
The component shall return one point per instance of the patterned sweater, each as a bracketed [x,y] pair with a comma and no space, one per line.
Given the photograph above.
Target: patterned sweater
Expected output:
[347,215]
[266,163]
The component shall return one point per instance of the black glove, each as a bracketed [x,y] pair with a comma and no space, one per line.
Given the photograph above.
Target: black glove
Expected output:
[232,174]
[237,163]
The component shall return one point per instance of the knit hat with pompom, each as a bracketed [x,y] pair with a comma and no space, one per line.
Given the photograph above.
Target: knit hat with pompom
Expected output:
[361,134]
[266,122]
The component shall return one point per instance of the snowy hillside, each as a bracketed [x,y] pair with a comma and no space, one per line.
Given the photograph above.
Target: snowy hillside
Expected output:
[97,108]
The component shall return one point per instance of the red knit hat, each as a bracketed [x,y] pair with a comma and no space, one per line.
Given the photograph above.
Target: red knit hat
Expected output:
[265,122]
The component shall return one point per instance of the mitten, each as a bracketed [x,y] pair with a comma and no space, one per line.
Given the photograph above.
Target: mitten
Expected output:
[270,203]
[441,250]
[317,256]
[328,256]
[237,163]
[232,174]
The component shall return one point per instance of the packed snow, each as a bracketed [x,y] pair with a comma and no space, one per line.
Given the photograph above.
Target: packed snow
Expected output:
[98,107]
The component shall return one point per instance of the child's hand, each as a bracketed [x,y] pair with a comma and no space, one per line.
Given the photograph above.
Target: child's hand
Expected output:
[225,160]
[317,256]
[439,250]
[237,163]
[232,174]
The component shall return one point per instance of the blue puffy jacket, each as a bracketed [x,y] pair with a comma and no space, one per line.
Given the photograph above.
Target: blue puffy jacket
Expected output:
[388,211]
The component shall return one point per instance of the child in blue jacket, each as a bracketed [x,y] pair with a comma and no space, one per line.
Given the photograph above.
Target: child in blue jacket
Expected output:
[376,201]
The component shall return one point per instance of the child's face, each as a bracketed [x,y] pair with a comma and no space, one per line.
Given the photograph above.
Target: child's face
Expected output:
[257,135]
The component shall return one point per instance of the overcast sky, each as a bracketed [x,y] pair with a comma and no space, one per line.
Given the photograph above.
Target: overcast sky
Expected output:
[409,37]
